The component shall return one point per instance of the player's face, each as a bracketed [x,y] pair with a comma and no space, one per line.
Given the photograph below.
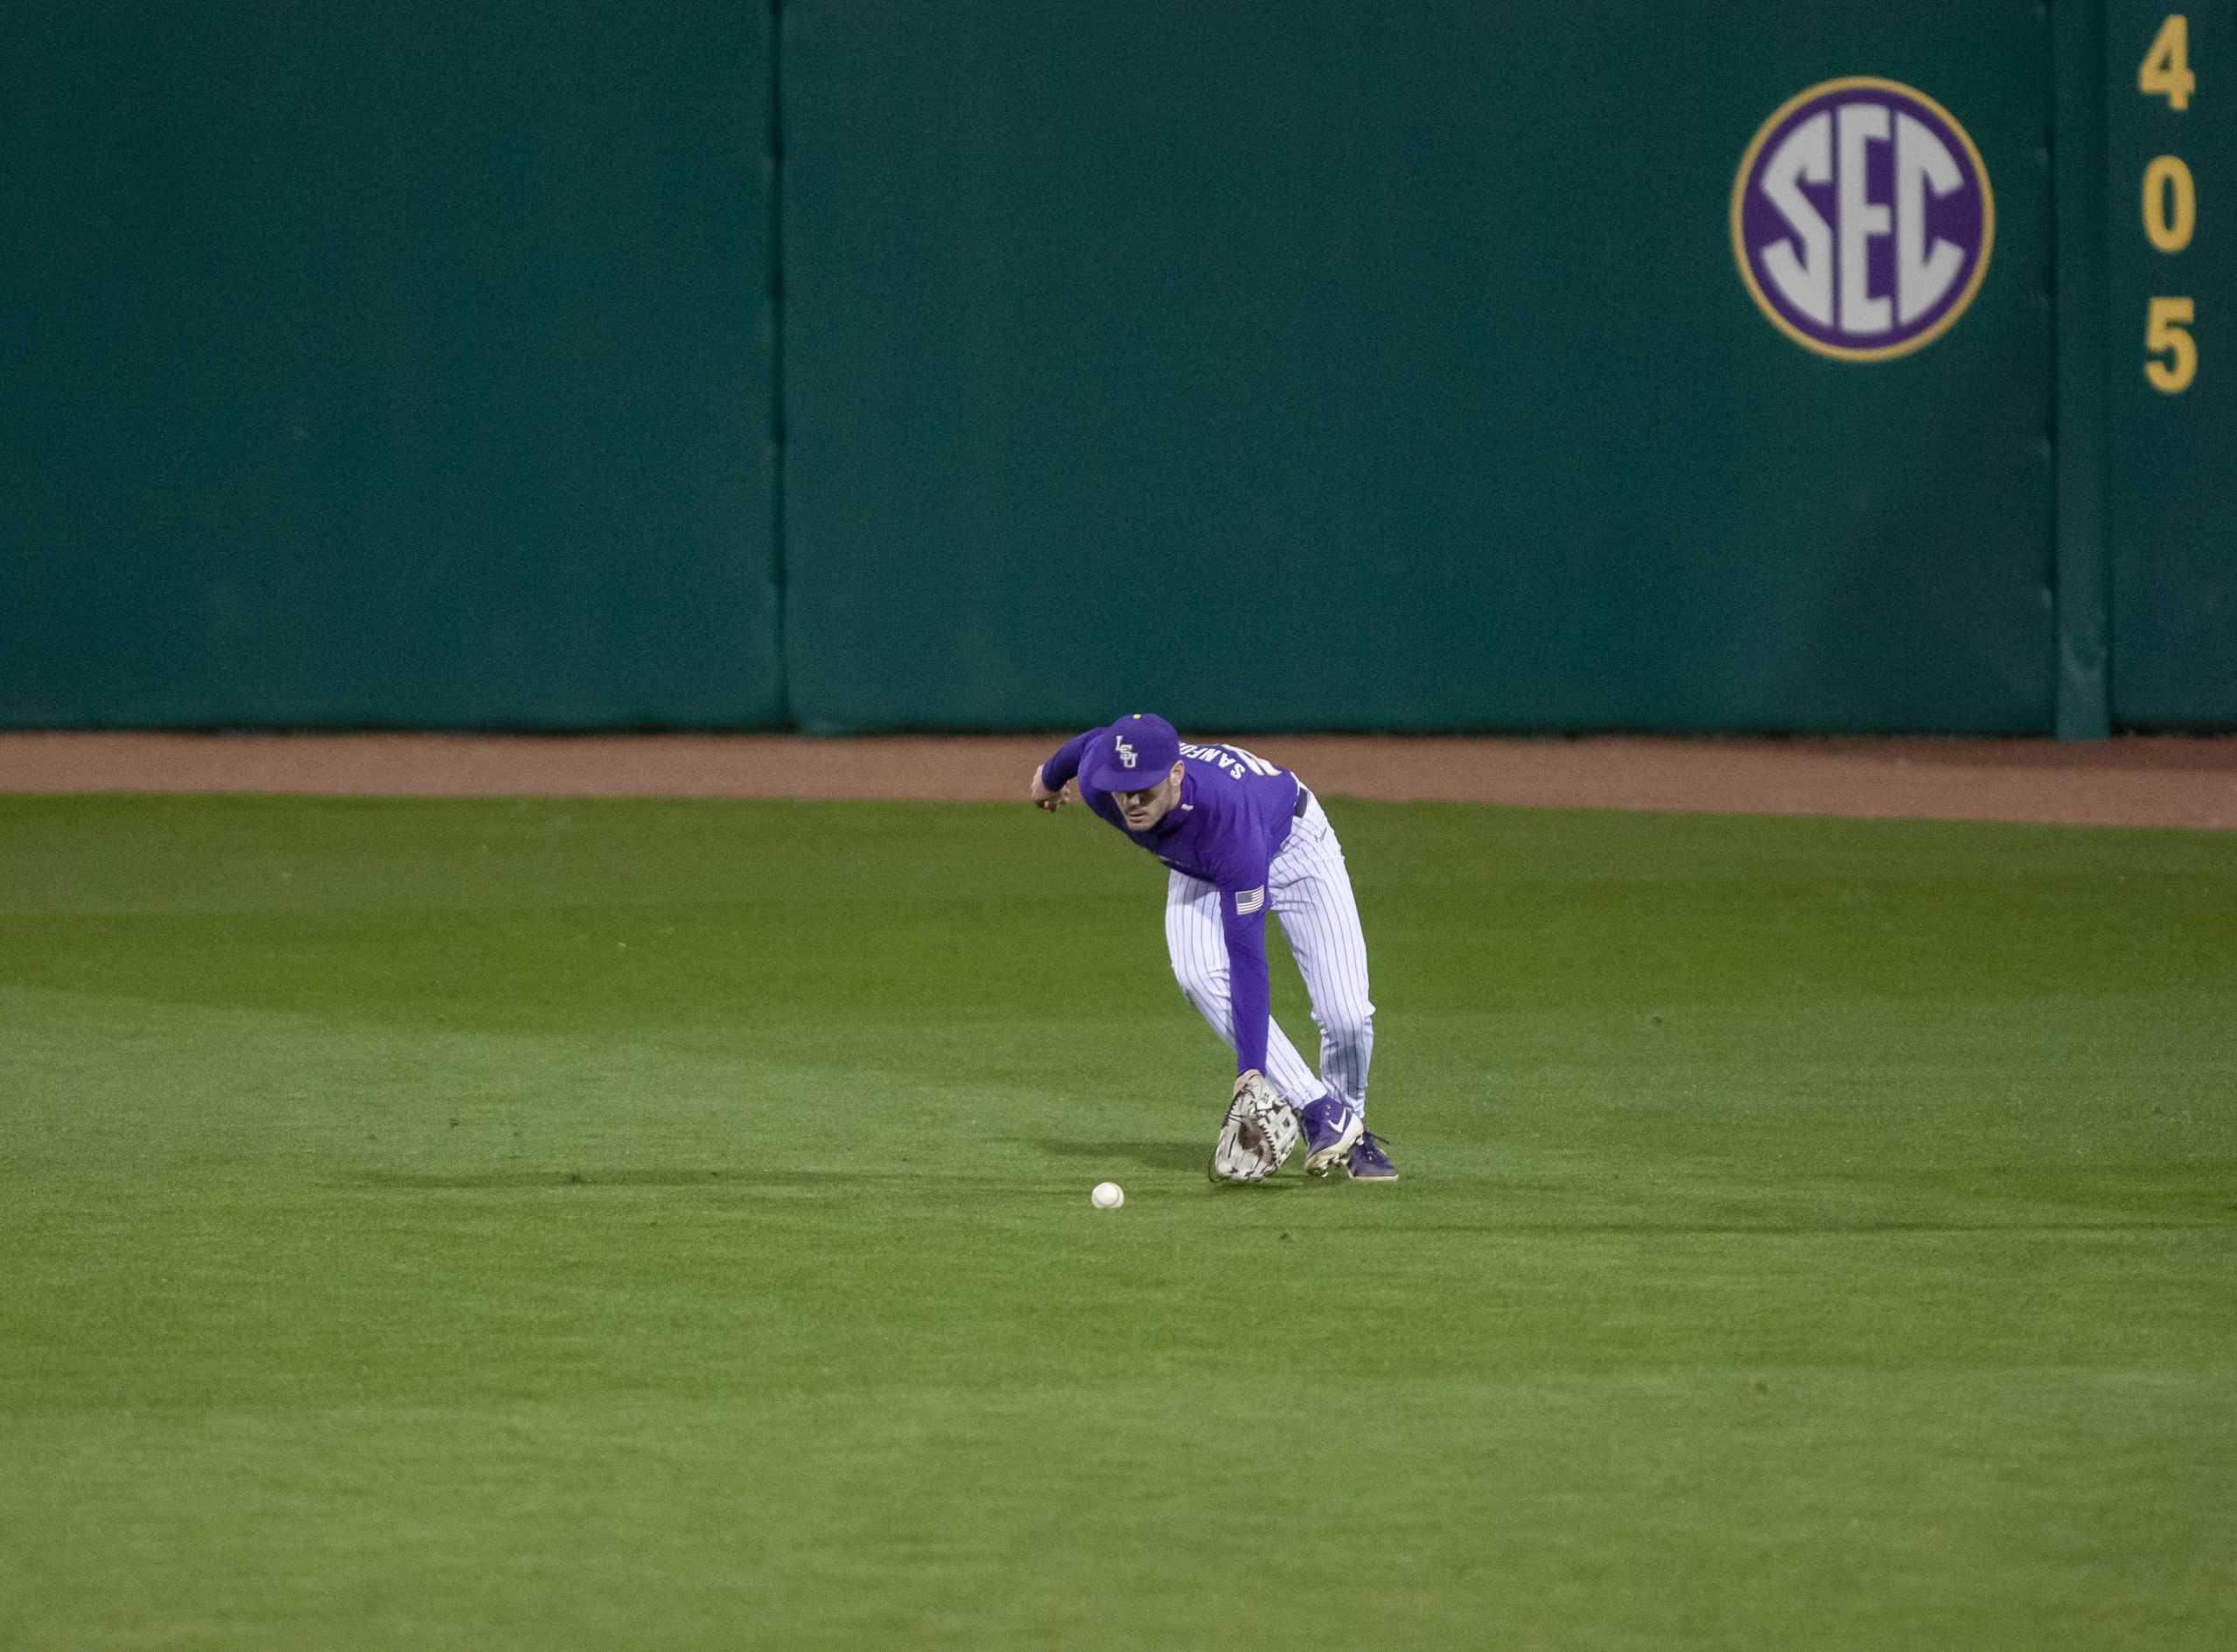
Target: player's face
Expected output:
[1142,809]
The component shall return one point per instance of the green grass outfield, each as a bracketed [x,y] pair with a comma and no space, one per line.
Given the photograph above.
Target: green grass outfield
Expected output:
[664,1225]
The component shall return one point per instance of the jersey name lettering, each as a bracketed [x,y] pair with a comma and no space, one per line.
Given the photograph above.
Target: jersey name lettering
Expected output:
[1232,760]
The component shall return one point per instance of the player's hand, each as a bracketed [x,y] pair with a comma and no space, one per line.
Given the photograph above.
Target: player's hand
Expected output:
[1044,797]
[1243,1083]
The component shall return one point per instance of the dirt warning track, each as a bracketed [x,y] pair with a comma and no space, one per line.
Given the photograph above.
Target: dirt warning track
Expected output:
[2139,781]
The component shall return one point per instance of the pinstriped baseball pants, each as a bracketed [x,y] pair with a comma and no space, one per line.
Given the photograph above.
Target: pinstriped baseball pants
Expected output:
[1310,894]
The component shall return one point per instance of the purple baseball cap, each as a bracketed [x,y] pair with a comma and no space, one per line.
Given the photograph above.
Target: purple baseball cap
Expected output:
[1132,755]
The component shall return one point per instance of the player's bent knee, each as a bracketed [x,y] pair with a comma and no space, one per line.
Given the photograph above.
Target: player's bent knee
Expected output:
[1207,992]
[1349,1029]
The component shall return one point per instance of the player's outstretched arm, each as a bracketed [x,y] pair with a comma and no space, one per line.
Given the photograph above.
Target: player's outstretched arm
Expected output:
[1049,780]
[1242,919]
[1044,797]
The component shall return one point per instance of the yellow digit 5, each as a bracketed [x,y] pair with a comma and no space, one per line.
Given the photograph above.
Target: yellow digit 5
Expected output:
[2164,333]
[2166,69]
[2170,204]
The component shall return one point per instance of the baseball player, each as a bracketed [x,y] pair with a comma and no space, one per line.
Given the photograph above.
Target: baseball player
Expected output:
[1241,837]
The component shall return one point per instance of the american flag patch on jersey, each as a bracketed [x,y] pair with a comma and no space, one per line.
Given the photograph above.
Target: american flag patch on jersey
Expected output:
[1249,901]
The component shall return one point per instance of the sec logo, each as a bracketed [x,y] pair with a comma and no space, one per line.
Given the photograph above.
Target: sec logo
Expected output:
[1862,219]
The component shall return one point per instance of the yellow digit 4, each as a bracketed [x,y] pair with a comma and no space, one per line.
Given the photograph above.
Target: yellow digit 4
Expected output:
[2164,333]
[2167,71]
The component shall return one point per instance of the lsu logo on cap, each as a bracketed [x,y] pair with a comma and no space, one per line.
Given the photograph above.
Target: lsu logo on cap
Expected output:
[1862,219]
[1126,751]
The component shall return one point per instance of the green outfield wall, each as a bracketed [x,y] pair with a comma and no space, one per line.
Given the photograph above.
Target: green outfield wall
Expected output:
[403,364]
[1387,367]
[1001,364]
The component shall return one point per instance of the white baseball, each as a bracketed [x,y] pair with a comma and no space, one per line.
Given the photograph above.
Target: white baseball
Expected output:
[1107,1196]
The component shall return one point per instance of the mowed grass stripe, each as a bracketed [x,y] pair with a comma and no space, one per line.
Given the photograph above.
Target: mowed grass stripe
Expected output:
[665,1225]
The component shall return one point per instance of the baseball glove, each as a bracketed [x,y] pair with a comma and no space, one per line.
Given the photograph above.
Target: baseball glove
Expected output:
[1259,1132]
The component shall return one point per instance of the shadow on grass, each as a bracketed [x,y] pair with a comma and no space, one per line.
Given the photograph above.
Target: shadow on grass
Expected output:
[1427,1209]
[504,1180]
[757,1179]
[1164,1156]
[1151,1155]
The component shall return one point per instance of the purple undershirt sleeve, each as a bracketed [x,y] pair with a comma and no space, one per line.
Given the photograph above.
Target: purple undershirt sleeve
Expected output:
[1066,762]
[1250,999]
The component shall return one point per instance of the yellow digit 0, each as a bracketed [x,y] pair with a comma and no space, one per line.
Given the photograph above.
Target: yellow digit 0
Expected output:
[2170,204]
[2167,71]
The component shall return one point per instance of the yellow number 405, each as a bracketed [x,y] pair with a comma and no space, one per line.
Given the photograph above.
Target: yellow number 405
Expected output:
[2167,71]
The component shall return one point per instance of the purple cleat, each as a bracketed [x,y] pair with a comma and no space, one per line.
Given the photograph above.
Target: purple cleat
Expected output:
[1369,1162]
[1331,1128]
